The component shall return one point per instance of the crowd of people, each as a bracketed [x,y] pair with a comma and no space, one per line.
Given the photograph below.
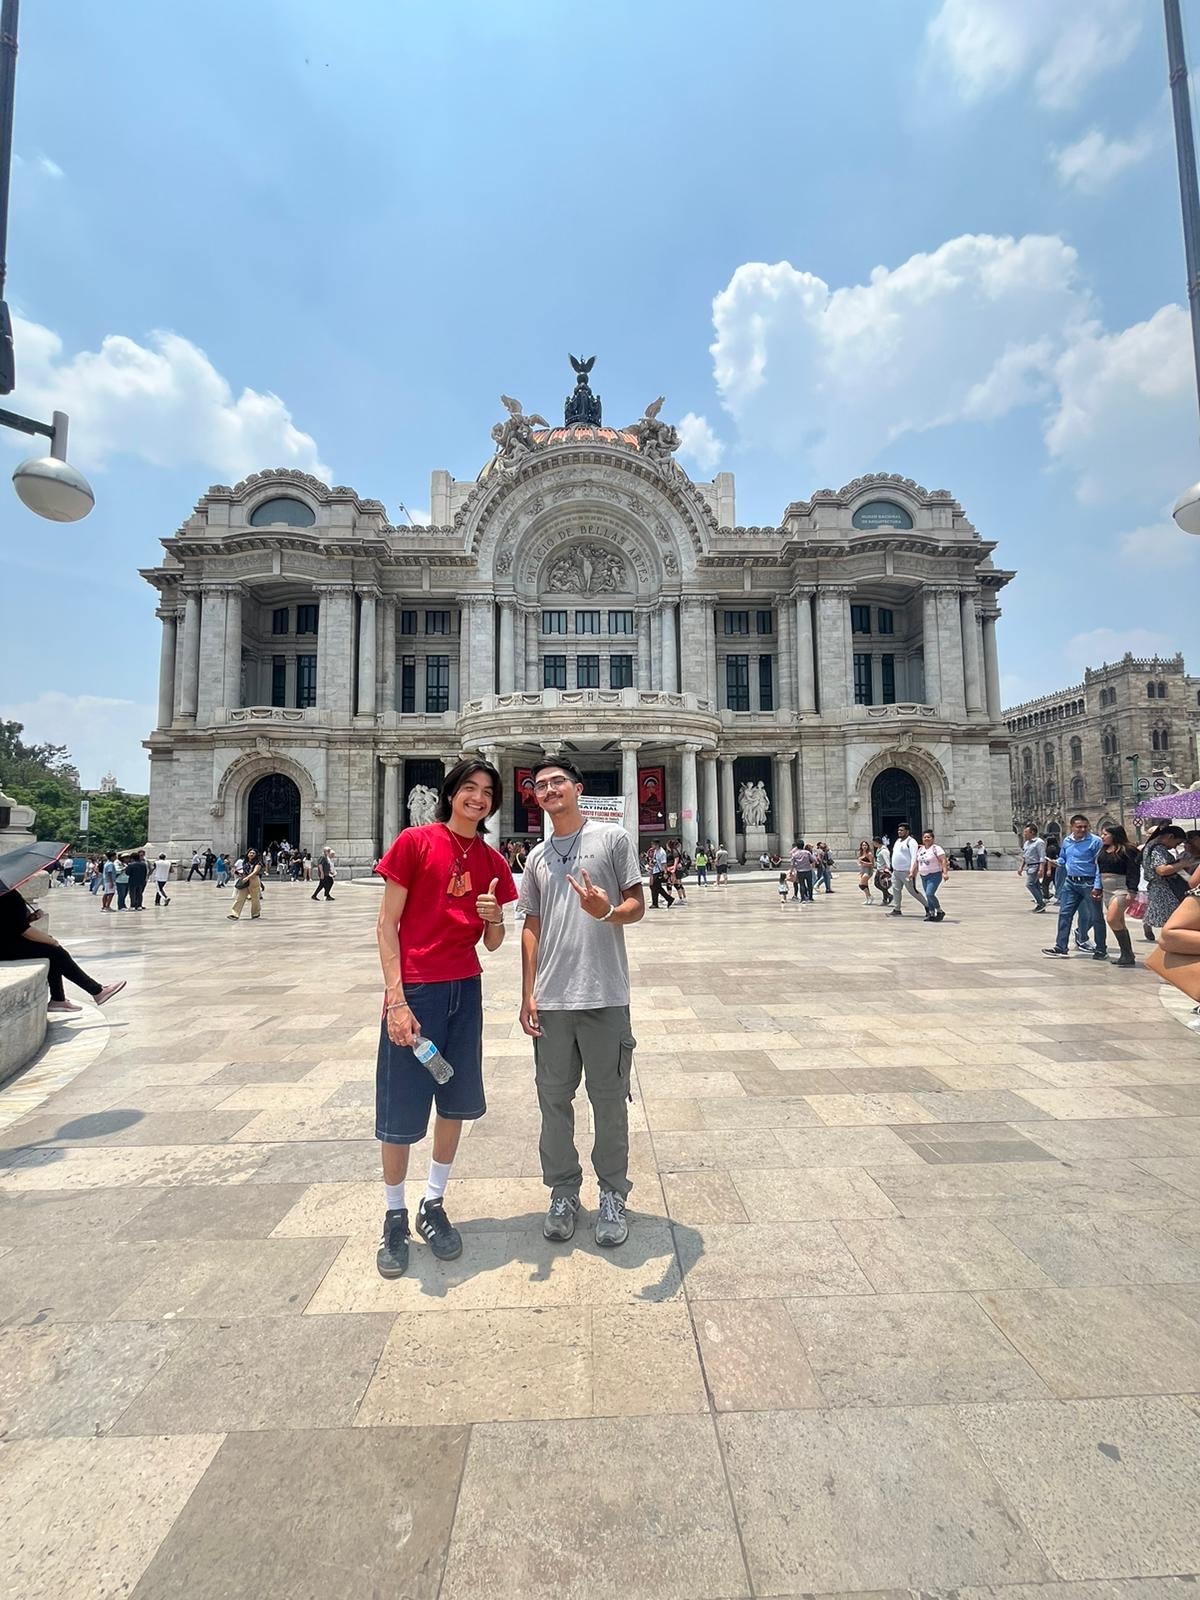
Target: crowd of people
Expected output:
[1100,880]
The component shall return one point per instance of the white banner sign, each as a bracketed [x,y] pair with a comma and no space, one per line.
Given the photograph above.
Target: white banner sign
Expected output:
[597,807]
[84,807]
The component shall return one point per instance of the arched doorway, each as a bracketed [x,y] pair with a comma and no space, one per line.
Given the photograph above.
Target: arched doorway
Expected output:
[895,798]
[272,812]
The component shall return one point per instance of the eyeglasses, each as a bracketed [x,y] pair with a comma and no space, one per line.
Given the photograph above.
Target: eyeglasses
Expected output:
[550,783]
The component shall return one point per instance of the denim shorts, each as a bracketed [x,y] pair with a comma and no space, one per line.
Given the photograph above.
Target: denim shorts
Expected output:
[451,1014]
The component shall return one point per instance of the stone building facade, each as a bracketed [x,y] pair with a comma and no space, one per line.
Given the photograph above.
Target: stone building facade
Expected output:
[1073,750]
[320,667]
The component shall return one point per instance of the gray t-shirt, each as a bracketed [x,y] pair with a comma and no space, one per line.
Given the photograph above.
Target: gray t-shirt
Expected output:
[1034,851]
[581,961]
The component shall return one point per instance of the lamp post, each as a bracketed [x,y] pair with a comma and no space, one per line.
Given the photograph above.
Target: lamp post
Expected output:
[46,484]
[1186,509]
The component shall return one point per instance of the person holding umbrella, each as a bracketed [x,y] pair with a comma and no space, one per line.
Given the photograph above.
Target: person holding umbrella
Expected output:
[20,940]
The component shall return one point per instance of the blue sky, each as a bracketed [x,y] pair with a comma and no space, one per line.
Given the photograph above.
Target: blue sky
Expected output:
[935,238]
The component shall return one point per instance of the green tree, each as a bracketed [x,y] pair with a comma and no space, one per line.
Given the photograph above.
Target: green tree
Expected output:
[44,777]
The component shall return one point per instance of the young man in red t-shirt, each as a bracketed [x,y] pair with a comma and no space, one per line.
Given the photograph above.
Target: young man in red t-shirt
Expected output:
[444,887]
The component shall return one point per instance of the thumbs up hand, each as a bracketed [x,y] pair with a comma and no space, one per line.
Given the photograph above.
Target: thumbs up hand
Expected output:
[487,906]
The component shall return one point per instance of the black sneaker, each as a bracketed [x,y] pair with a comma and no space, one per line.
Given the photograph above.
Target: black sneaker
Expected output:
[1099,955]
[1054,951]
[939,916]
[392,1255]
[435,1228]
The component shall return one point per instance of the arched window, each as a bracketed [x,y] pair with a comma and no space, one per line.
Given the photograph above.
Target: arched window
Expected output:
[1077,791]
[1162,691]
[1076,752]
[1160,739]
[1149,691]
[1048,757]
[1051,792]
[1027,760]
[1108,743]
[283,509]
[1027,792]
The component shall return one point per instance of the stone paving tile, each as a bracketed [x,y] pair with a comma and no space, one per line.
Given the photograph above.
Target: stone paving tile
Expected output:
[753,1357]
[1116,1139]
[1179,1100]
[841,1147]
[1105,1341]
[50,1215]
[704,1196]
[1181,1172]
[1086,1103]
[651,1513]
[891,1497]
[1097,1248]
[802,1194]
[96,1540]
[998,1190]
[859,1110]
[78,1378]
[732,1261]
[242,1536]
[47,1283]
[910,1350]
[232,1278]
[929,1255]
[1108,1488]
[261,1372]
[211,1211]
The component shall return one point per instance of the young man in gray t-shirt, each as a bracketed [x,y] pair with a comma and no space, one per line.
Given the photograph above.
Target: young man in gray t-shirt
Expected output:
[581,887]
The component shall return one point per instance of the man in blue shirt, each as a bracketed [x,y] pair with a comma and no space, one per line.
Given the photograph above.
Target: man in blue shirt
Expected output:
[1080,889]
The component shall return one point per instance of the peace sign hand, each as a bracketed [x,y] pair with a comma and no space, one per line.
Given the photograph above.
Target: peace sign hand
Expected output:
[487,906]
[594,901]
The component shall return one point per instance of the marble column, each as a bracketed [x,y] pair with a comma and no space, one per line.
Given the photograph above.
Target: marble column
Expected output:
[930,652]
[991,665]
[629,786]
[729,818]
[785,800]
[508,644]
[387,677]
[483,647]
[450,761]
[532,619]
[190,694]
[806,692]
[166,666]
[335,649]
[833,647]
[972,666]
[179,658]
[210,685]
[670,660]
[711,687]
[785,653]
[690,799]
[950,649]
[645,654]
[233,647]
[391,798]
[366,652]
[708,792]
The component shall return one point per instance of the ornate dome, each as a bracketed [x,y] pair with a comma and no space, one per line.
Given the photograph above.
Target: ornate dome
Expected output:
[572,433]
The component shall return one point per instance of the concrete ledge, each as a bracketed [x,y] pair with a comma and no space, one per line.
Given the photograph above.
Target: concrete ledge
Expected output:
[23,1000]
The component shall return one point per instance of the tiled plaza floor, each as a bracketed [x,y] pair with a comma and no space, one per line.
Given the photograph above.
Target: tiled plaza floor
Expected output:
[911,1300]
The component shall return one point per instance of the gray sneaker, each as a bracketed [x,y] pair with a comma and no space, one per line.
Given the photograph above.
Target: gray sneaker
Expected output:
[611,1227]
[560,1219]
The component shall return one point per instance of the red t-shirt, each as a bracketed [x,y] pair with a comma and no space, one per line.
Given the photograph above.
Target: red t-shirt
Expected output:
[440,926]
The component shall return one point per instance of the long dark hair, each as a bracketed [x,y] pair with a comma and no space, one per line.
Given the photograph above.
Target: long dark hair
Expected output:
[454,780]
[1120,839]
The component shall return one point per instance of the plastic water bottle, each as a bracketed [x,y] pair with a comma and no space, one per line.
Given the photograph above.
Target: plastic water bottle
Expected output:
[428,1054]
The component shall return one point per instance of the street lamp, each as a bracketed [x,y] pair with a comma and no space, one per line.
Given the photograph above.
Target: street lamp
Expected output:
[1186,509]
[46,484]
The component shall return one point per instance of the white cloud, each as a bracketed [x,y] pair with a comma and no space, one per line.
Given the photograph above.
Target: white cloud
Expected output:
[419,514]
[42,165]
[1093,162]
[968,331]
[1160,542]
[698,442]
[989,45]
[162,401]
[1110,644]
[1125,423]
[103,735]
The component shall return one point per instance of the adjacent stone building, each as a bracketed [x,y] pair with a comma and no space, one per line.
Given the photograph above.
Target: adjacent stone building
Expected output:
[828,677]
[1072,751]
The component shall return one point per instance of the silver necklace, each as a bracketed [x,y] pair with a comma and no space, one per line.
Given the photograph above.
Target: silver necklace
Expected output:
[574,840]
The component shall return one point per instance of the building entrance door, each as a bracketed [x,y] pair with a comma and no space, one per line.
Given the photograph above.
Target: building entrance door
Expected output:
[895,798]
[272,812]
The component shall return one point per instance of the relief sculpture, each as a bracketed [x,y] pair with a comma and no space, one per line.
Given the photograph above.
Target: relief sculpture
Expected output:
[587,569]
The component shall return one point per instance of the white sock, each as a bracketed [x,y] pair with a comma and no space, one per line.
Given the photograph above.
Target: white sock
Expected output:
[439,1177]
[395,1195]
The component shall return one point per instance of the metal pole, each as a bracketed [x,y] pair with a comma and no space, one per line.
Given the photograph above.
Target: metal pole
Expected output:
[1185,150]
[8,76]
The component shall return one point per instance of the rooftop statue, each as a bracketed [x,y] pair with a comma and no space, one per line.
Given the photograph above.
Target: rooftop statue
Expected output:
[657,441]
[514,437]
[582,405]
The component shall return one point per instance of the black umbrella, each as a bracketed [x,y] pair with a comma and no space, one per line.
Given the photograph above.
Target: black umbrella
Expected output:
[26,861]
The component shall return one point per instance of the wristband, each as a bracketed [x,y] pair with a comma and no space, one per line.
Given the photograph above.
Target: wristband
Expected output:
[610,912]
[398,1005]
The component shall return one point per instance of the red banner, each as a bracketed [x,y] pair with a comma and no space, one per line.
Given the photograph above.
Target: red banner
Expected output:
[527,814]
[652,798]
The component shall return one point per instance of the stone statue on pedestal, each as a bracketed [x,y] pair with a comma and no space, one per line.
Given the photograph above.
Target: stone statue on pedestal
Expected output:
[582,406]
[422,803]
[754,804]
